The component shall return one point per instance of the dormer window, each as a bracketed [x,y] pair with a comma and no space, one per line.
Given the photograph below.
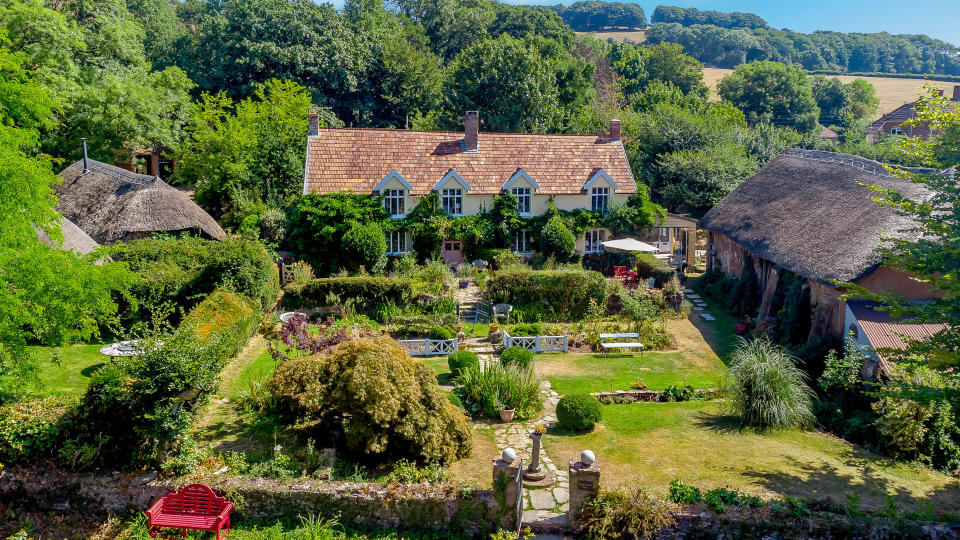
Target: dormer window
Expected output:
[600,199]
[523,199]
[451,200]
[393,202]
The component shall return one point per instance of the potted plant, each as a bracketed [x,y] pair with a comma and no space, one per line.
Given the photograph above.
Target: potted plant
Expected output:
[506,414]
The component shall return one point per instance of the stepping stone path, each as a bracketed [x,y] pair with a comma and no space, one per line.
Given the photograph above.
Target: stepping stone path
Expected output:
[539,503]
[707,317]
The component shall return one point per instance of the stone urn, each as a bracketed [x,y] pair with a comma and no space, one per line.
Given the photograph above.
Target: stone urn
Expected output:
[506,415]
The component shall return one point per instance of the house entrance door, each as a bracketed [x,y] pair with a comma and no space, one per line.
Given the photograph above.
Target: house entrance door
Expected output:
[452,252]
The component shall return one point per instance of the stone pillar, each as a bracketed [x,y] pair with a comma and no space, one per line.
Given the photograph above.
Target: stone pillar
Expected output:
[505,488]
[584,484]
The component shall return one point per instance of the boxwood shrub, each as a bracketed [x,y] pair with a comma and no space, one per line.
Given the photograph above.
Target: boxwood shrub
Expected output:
[461,360]
[551,295]
[579,411]
[517,356]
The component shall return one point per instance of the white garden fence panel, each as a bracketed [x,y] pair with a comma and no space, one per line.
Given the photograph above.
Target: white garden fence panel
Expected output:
[429,347]
[535,343]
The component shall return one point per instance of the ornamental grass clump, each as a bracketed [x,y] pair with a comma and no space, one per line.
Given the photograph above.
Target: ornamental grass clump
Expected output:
[489,390]
[768,390]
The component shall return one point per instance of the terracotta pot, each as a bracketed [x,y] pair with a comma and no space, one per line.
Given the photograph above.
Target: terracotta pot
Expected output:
[506,415]
[494,328]
[461,346]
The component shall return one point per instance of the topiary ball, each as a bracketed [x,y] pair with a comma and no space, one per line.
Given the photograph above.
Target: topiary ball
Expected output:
[518,356]
[461,360]
[579,411]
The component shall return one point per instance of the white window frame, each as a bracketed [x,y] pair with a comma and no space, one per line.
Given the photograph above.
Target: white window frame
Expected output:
[451,200]
[524,197]
[396,242]
[896,131]
[521,242]
[600,199]
[395,199]
[592,239]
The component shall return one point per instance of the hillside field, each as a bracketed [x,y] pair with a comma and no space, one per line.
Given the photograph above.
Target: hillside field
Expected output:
[892,92]
[633,36]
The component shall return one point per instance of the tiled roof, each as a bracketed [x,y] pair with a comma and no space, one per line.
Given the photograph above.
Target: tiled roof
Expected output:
[885,332]
[350,159]
[905,112]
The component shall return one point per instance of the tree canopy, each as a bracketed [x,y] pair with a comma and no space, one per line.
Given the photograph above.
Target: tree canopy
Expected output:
[772,92]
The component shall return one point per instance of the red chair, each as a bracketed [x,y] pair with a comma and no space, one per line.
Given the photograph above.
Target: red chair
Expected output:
[194,507]
[620,272]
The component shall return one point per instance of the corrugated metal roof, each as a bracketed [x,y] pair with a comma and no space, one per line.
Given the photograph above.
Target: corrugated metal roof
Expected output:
[885,332]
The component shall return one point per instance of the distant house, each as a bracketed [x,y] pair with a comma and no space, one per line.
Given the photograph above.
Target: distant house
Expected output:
[809,213]
[468,169]
[111,204]
[892,122]
[827,134]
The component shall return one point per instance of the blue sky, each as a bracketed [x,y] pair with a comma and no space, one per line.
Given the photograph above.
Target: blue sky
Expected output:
[936,18]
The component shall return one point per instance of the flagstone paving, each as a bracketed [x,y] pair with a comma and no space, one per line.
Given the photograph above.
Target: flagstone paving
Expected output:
[516,435]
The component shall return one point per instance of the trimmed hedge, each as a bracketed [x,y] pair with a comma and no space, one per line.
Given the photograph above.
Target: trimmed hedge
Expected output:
[184,271]
[461,360]
[579,411]
[138,411]
[649,266]
[517,356]
[365,290]
[550,295]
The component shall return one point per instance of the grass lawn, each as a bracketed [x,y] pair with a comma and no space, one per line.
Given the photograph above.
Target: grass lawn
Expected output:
[439,364]
[650,444]
[579,373]
[697,362]
[472,330]
[67,370]
[476,470]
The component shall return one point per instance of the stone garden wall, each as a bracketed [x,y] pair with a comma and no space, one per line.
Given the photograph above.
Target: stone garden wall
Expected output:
[443,508]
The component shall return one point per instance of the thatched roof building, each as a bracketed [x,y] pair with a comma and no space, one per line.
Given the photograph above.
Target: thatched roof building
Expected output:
[112,204]
[811,213]
[74,238]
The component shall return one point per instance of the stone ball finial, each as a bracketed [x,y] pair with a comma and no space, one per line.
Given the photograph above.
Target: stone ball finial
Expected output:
[509,455]
[587,457]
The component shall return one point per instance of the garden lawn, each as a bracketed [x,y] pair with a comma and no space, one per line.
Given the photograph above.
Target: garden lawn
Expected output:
[650,444]
[585,373]
[67,370]
[696,361]
[439,364]
[476,469]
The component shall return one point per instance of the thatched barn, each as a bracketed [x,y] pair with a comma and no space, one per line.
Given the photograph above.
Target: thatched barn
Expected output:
[810,214]
[112,204]
[74,239]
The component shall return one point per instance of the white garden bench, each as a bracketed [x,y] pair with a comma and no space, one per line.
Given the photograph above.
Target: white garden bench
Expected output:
[608,345]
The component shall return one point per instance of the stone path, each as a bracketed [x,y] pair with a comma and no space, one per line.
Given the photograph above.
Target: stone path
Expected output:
[546,502]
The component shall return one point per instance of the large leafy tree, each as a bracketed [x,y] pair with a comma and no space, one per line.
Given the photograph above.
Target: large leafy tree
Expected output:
[772,92]
[47,295]
[932,249]
[508,81]
[638,67]
[237,45]
[239,153]
[89,56]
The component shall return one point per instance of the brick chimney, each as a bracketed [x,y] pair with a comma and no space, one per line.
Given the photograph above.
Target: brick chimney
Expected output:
[471,131]
[615,129]
[956,92]
[314,117]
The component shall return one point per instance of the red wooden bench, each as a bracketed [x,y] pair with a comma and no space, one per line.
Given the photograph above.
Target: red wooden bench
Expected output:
[194,507]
